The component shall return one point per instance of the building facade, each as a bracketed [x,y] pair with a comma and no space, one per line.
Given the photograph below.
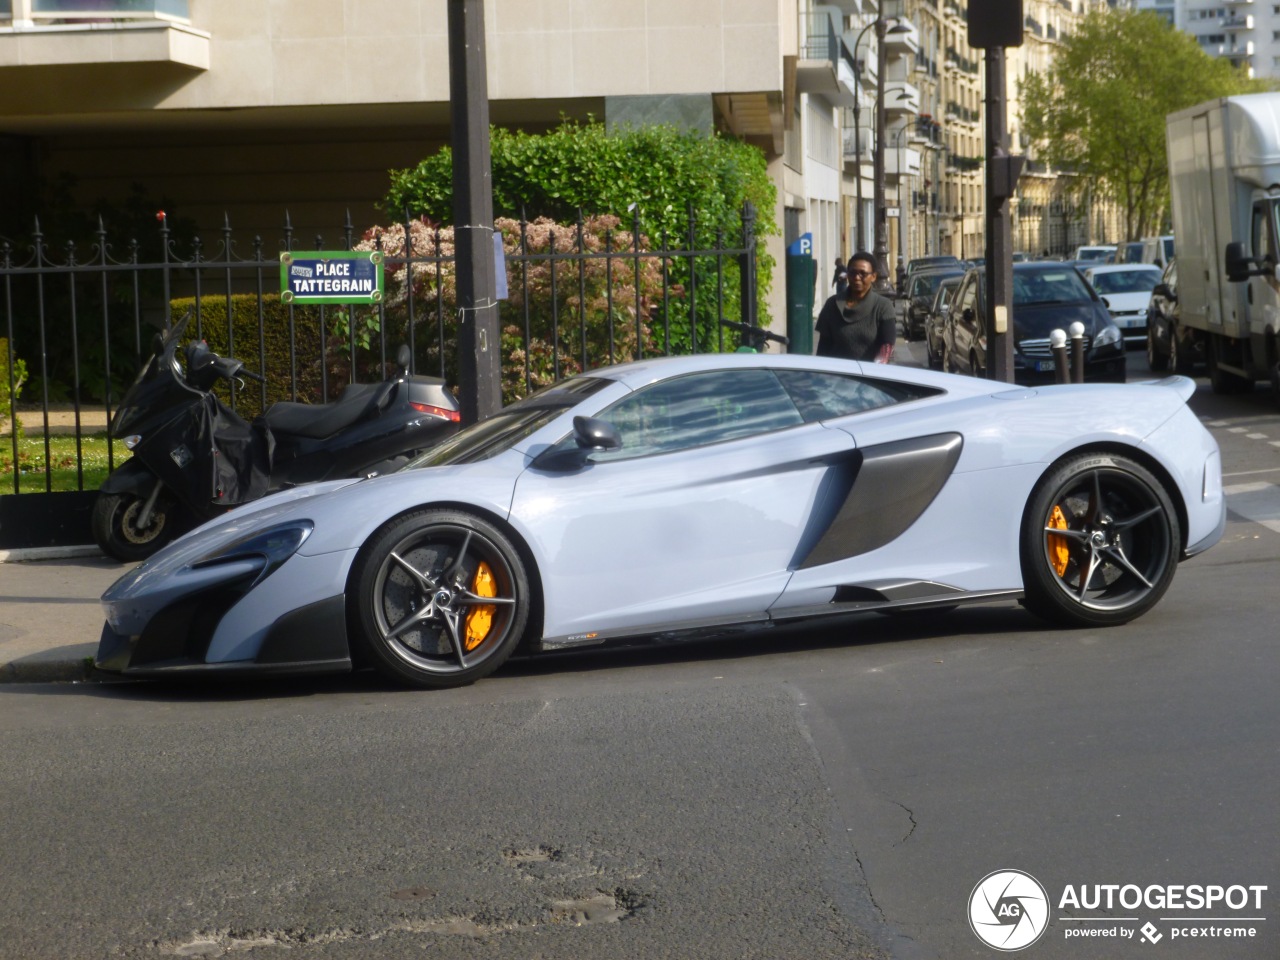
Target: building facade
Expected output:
[1246,32]
[236,111]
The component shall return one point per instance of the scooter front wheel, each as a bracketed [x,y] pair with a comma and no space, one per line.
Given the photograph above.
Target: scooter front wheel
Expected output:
[118,533]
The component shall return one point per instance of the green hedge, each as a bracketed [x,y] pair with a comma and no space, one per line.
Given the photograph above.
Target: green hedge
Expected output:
[241,340]
[659,172]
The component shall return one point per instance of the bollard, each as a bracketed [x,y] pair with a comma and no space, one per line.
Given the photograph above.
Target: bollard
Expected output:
[1058,345]
[1077,351]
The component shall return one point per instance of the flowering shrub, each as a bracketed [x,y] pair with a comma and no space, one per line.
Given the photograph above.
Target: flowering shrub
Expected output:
[560,318]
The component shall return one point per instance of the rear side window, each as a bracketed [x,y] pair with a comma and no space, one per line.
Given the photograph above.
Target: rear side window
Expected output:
[824,396]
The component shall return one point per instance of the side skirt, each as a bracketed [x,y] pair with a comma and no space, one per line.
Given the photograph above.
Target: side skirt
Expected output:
[868,598]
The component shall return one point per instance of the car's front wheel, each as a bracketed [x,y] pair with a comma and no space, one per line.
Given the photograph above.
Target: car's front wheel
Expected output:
[932,357]
[439,598]
[1157,360]
[1100,542]
[118,529]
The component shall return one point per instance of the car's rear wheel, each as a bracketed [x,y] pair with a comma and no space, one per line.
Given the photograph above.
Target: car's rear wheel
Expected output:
[1100,542]
[439,598]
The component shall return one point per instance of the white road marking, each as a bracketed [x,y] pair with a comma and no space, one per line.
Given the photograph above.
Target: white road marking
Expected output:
[1259,502]
[1256,436]
[1237,429]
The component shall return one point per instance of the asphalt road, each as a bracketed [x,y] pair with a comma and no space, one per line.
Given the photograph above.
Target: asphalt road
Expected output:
[832,793]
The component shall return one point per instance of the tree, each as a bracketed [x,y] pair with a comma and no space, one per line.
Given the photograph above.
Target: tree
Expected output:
[1099,111]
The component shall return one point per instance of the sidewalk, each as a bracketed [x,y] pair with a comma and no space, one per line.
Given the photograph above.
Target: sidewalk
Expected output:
[50,619]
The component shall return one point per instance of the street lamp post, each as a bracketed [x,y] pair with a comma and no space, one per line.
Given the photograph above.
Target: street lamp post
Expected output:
[857,133]
[904,218]
[880,25]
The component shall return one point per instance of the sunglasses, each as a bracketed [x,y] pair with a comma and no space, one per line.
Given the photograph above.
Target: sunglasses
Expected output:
[863,274]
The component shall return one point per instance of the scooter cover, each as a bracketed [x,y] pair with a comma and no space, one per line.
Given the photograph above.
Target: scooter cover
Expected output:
[211,455]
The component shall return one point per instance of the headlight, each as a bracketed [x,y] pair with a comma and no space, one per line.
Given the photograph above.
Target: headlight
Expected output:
[274,545]
[1109,336]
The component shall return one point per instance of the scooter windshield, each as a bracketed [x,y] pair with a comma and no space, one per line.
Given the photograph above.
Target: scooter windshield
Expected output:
[162,374]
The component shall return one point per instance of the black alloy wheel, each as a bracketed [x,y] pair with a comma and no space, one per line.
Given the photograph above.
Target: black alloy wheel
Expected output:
[439,598]
[1100,542]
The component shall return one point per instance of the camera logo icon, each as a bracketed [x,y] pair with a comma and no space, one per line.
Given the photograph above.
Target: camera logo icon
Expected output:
[1008,910]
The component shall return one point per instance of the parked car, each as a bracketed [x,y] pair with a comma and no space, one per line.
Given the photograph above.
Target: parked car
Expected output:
[1168,346]
[1046,296]
[936,321]
[1097,253]
[1158,250]
[688,497]
[921,264]
[1130,252]
[1126,290]
[921,289]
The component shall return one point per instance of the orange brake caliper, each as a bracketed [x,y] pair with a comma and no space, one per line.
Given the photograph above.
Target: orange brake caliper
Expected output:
[1058,548]
[480,619]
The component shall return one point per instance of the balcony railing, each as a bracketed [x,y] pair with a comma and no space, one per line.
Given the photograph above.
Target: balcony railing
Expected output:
[50,12]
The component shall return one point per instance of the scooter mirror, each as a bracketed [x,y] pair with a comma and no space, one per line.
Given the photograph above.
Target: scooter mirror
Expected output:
[403,357]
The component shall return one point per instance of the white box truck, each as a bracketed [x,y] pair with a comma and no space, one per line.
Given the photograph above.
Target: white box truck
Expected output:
[1224,180]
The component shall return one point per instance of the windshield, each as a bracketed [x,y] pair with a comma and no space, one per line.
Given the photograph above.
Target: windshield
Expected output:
[1048,286]
[1094,253]
[1125,281]
[507,427]
[927,283]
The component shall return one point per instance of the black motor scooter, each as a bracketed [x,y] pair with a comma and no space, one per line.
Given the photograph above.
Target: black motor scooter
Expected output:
[194,457]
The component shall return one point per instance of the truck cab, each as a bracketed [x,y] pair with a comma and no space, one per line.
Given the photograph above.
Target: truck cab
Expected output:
[1224,180]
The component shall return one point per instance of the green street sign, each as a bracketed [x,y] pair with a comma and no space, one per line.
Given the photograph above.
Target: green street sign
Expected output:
[331,276]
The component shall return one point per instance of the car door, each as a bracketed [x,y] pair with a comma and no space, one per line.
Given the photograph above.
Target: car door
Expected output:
[962,326]
[697,518]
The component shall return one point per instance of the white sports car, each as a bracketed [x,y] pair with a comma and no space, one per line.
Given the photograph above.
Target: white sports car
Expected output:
[692,496]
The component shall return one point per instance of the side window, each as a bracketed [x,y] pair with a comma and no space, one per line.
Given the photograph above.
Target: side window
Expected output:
[697,410]
[822,396]
[965,299]
[1261,234]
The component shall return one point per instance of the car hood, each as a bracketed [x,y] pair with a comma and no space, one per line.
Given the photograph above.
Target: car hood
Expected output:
[1035,321]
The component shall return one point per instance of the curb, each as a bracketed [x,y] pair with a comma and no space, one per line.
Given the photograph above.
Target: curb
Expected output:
[24,554]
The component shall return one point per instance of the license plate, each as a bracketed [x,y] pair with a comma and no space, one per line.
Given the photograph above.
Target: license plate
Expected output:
[1044,366]
[1128,322]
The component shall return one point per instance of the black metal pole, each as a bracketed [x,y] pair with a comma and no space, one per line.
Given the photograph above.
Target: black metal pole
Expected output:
[480,392]
[999,273]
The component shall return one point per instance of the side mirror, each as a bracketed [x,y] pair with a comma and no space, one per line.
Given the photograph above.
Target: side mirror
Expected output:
[1239,267]
[589,435]
[968,316]
[1162,290]
[402,358]
[593,434]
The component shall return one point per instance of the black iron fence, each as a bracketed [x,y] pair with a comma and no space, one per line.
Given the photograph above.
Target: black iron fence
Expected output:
[579,295]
